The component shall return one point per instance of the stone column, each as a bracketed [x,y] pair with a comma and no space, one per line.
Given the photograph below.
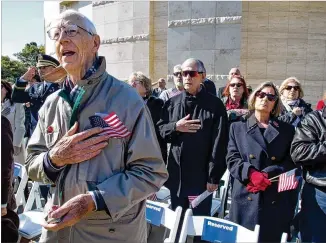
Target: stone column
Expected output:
[209,31]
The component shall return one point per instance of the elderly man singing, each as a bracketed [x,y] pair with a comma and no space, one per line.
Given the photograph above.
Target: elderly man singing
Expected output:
[96,142]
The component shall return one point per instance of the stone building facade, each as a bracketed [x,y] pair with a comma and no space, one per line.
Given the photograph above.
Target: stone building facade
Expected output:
[267,40]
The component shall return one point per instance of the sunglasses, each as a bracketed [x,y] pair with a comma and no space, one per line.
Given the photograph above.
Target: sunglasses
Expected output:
[192,74]
[177,74]
[289,87]
[262,95]
[236,84]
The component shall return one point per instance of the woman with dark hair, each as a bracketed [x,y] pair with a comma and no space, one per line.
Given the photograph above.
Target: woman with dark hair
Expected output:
[9,219]
[259,149]
[294,107]
[15,113]
[143,85]
[235,97]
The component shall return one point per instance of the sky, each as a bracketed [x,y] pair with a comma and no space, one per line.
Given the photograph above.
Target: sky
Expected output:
[21,22]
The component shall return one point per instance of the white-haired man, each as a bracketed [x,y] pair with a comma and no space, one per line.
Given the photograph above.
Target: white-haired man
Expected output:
[96,142]
[195,123]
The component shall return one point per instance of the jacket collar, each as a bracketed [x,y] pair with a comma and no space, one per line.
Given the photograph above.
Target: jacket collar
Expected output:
[269,135]
[97,76]
[323,113]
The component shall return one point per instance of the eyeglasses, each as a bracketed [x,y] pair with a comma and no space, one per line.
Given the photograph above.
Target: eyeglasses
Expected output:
[289,87]
[177,74]
[262,95]
[70,30]
[192,74]
[236,84]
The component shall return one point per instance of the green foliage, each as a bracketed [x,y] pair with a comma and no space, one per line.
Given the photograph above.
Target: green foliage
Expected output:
[11,69]
[29,53]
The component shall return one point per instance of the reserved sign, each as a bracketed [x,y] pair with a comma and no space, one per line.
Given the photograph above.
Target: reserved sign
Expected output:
[214,231]
[154,214]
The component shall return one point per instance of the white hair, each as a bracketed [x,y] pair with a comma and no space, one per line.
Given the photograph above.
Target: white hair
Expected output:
[86,22]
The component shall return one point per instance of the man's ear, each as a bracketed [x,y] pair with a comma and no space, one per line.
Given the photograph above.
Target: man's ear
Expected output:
[97,42]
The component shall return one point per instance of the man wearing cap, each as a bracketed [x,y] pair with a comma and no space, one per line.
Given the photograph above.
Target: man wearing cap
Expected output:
[96,142]
[36,94]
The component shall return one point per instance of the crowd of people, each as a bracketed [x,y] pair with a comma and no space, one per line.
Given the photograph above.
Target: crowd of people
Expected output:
[105,145]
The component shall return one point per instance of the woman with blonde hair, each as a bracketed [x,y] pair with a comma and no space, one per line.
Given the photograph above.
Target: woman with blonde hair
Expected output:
[294,107]
[258,150]
[321,103]
[143,85]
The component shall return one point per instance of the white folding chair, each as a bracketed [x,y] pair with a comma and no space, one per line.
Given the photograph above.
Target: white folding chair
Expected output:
[284,238]
[20,171]
[31,219]
[169,218]
[225,199]
[194,225]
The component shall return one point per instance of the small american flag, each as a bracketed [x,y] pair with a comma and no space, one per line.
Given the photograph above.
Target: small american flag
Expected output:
[288,181]
[152,197]
[111,125]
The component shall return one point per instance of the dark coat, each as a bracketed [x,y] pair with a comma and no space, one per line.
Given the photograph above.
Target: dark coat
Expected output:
[7,164]
[157,91]
[155,107]
[195,159]
[270,153]
[220,92]
[308,148]
[36,95]
[209,86]
[290,117]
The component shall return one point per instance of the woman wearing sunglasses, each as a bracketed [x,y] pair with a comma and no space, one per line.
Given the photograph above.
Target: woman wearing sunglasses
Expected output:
[143,85]
[294,107]
[235,97]
[259,149]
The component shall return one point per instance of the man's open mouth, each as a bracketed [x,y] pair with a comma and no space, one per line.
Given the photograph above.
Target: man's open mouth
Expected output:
[68,53]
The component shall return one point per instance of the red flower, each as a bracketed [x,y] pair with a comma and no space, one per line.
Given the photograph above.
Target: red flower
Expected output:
[49,129]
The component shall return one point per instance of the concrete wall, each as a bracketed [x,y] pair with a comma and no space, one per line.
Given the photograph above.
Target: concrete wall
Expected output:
[124,31]
[210,31]
[283,39]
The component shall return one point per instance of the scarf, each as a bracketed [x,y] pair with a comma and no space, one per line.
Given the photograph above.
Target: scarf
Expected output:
[290,104]
[74,90]
[231,105]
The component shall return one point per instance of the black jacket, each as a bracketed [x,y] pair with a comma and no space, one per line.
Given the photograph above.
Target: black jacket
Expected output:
[209,86]
[195,159]
[290,117]
[269,152]
[309,148]
[7,164]
[155,107]
[36,95]
[220,92]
